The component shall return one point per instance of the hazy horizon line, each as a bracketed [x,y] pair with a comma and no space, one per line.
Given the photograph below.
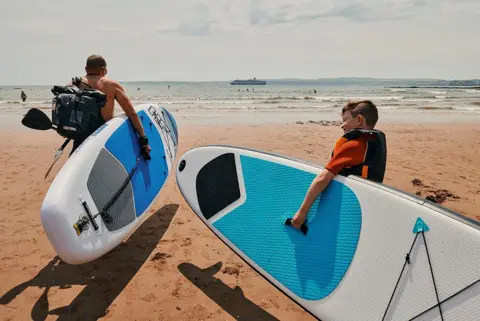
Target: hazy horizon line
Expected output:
[274,79]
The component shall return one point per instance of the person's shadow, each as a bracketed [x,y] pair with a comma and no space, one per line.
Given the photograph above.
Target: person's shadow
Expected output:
[104,279]
[233,301]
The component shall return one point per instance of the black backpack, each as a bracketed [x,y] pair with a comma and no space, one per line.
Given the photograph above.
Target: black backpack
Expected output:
[75,111]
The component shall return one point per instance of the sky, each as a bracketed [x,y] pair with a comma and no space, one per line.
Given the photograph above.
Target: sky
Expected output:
[48,41]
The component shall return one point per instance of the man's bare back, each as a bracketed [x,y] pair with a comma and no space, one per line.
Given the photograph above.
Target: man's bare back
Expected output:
[114,91]
[96,70]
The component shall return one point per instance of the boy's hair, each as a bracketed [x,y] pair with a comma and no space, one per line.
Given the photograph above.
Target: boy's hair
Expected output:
[365,108]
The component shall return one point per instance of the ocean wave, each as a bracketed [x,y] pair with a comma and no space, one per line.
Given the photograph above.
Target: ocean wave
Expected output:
[428,98]
[421,100]
[28,102]
[260,99]
[437,92]
[467,108]
[470,90]
[210,98]
[347,98]
[433,108]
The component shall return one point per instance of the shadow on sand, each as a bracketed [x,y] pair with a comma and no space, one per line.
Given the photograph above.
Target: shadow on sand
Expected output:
[233,301]
[104,279]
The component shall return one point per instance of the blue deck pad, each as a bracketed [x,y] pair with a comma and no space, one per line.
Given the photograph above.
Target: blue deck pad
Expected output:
[150,175]
[311,266]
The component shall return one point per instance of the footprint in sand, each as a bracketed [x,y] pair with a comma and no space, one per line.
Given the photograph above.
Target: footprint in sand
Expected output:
[231,271]
[149,298]
[162,257]
[186,242]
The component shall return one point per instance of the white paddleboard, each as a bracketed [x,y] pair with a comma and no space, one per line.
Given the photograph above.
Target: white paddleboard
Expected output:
[352,263]
[95,172]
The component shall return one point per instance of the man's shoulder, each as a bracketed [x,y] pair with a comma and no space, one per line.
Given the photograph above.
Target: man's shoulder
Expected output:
[109,86]
[109,82]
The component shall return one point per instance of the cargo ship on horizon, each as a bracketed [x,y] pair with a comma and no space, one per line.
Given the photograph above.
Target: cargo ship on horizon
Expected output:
[249,82]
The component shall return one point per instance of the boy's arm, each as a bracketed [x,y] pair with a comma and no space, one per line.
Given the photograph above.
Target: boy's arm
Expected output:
[318,185]
[351,153]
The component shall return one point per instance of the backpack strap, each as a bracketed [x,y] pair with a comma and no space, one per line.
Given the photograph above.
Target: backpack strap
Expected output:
[77,81]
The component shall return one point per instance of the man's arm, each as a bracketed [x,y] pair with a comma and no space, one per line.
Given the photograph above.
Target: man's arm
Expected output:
[318,185]
[124,102]
[122,98]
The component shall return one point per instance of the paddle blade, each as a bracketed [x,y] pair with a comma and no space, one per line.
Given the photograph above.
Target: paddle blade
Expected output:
[37,119]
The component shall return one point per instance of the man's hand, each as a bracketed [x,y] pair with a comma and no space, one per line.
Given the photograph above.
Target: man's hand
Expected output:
[147,148]
[145,152]
[298,219]
[143,141]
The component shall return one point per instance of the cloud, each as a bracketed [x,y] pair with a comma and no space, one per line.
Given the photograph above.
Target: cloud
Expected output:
[194,20]
[195,27]
[264,13]
[312,11]
[224,39]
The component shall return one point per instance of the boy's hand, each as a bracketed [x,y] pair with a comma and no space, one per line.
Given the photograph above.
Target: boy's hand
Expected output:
[298,219]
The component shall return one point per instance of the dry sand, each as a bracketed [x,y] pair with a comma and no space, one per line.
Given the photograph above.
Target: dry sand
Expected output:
[173,267]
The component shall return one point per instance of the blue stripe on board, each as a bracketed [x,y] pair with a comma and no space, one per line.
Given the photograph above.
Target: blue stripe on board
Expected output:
[310,266]
[150,175]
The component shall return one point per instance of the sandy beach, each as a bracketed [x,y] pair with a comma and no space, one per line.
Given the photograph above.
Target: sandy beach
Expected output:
[173,267]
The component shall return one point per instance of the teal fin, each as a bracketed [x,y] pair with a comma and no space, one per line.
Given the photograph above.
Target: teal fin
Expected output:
[420,226]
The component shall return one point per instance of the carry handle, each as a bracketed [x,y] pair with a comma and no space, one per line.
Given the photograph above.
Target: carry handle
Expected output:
[303,228]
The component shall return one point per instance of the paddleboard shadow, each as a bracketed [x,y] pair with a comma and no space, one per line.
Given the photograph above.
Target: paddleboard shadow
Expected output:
[232,301]
[104,279]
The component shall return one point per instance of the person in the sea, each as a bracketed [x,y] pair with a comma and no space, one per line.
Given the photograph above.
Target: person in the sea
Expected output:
[361,151]
[96,70]
[23,96]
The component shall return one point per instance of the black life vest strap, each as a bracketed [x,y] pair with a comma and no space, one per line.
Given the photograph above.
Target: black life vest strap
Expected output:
[375,159]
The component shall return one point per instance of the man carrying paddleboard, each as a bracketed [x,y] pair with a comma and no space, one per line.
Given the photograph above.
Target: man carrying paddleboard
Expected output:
[96,69]
[361,151]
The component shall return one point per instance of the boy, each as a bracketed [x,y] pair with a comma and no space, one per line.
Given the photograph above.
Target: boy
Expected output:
[360,151]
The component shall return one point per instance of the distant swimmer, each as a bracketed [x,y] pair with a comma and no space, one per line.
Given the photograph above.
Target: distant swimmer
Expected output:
[23,96]
[314,91]
[168,86]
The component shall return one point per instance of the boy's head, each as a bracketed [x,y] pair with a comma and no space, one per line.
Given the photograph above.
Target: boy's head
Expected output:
[359,114]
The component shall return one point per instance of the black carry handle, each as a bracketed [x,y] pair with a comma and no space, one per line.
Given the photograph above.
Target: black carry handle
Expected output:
[303,228]
[145,154]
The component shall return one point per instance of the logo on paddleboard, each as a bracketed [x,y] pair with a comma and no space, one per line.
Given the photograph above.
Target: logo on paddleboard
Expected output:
[166,130]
